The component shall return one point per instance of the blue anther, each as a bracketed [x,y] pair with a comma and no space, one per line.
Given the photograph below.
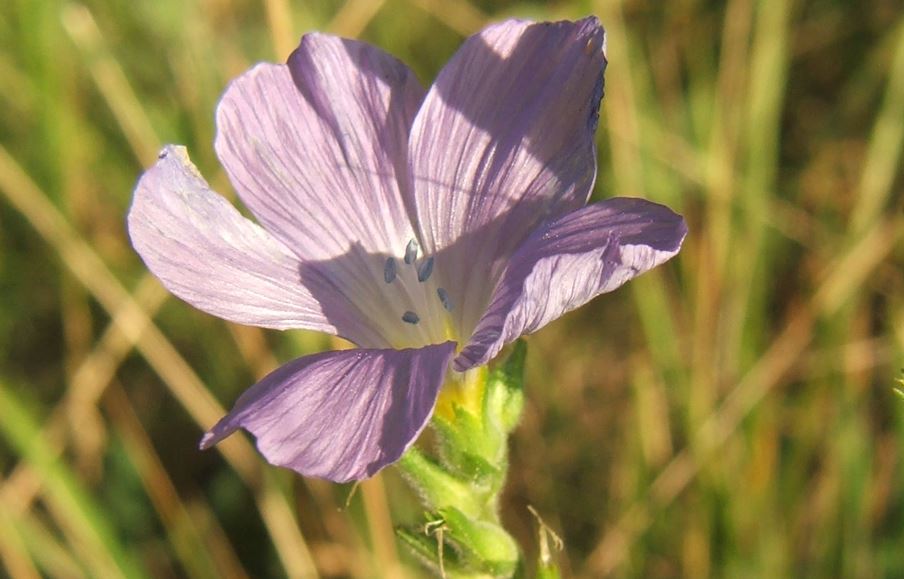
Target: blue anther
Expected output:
[389,270]
[411,252]
[443,296]
[424,270]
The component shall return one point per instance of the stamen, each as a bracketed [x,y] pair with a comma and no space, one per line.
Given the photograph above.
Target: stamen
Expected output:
[443,296]
[411,252]
[410,317]
[424,270]
[389,270]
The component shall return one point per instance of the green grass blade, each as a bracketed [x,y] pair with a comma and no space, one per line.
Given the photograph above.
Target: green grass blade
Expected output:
[72,504]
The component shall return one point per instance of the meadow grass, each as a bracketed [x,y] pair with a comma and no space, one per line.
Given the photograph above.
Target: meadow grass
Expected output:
[731,414]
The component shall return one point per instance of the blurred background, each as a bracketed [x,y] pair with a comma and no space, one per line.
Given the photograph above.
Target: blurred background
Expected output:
[731,414]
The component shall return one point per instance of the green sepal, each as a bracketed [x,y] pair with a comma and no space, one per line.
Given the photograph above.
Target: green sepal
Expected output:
[425,547]
[483,546]
[479,471]
[461,491]
[548,572]
[436,487]
[462,434]
[468,443]
[466,454]
[504,401]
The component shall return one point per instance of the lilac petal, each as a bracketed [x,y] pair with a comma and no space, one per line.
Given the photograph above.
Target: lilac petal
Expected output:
[566,263]
[340,415]
[503,141]
[314,148]
[208,254]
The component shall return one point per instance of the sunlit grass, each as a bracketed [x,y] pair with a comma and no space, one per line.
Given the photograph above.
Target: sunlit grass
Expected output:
[732,414]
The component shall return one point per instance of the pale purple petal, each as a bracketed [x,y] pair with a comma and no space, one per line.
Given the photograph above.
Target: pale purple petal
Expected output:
[340,415]
[503,141]
[314,147]
[208,254]
[570,261]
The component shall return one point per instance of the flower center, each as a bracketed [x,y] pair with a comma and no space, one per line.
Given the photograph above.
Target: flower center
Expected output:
[418,303]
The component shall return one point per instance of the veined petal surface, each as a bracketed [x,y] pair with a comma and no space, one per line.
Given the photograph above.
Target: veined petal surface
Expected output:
[205,252]
[570,261]
[504,141]
[340,415]
[315,148]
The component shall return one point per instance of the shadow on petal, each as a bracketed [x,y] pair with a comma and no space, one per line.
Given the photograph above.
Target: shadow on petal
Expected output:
[352,289]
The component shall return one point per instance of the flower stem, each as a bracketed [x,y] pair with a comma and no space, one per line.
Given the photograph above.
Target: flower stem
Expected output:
[460,489]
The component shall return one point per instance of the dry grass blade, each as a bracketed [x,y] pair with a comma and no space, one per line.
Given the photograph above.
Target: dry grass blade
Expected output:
[883,160]
[373,493]
[112,82]
[90,535]
[88,383]
[760,108]
[354,16]
[13,553]
[459,15]
[44,548]
[736,411]
[185,385]
[184,535]
[786,349]
[280,24]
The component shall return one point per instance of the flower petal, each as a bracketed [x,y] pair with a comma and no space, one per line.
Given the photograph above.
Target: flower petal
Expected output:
[340,415]
[208,254]
[314,148]
[504,141]
[569,262]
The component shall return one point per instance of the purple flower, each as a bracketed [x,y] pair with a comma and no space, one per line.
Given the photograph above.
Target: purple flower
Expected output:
[430,228]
